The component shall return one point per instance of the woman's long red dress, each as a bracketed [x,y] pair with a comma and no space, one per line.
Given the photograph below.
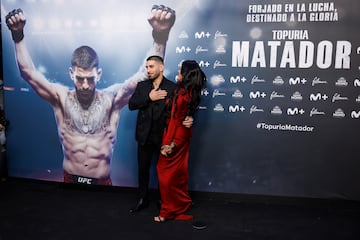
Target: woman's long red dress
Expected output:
[172,170]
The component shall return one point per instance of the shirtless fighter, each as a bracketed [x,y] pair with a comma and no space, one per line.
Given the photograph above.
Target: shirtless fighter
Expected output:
[87,118]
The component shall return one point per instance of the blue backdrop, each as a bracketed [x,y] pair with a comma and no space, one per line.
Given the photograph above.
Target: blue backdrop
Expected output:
[281,112]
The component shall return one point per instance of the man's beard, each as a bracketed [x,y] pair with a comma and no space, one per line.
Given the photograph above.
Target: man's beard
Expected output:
[153,77]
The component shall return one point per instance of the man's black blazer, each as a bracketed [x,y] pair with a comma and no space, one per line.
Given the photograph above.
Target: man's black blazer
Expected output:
[140,100]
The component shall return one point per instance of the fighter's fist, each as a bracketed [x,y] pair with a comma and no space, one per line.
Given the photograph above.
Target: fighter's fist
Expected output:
[15,20]
[161,19]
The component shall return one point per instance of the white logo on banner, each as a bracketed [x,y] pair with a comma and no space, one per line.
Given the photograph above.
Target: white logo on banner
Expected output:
[276,110]
[255,109]
[356,83]
[296,97]
[317,80]
[297,81]
[217,63]
[200,49]
[218,34]
[278,80]
[276,95]
[357,99]
[318,97]
[339,113]
[182,49]
[315,111]
[355,114]
[216,80]
[236,108]
[204,92]
[257,94]
[237,94]
[256,79]
[183,35]
[295,111]
[217,92]
[218,108]
[237,79]
[204,63]
[341,82]
[338,97]
[199,35]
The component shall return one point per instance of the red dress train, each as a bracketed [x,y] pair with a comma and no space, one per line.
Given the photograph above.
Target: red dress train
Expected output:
[172,170]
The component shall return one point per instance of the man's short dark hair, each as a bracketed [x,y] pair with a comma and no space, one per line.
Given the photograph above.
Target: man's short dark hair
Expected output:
[85,57]
[156,58]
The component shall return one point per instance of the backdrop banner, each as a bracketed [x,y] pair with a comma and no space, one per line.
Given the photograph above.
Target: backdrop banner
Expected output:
[278,116]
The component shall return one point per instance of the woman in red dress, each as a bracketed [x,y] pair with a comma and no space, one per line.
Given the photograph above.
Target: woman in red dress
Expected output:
[172,166]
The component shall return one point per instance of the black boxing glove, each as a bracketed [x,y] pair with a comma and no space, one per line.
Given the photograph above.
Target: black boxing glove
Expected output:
[17,36]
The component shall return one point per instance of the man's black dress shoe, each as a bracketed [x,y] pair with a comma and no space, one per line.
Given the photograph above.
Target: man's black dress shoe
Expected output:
[141,204]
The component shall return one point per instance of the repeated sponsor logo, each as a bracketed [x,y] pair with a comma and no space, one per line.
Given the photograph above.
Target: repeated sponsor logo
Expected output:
[218,63]
[220,49]
[297,97]
[200,35]
[339,113]
[219,34]
[217,92]
[357,99]
[183,35]
[205,92]
[316,93]
[218,108]
[200,49]
[338,97]
[257,94]
[275,95]
[255,109]
[278,80]
[256,79]
[297,81]
[236,108]
[237,79]
[202,107]
[318,97]
[216,80]
[237,94]
[317,81]
[295,111]
[355,114]
[203,64]
[356,82]
[182,49]
[315,111]
[276,111]
[341,82]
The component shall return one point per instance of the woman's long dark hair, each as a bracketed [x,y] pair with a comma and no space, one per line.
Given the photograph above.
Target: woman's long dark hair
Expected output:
[193,81]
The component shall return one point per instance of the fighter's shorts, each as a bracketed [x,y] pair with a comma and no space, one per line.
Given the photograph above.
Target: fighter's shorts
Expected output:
[69,178]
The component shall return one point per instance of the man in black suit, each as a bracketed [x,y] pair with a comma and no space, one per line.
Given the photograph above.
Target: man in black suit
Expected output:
[150,99]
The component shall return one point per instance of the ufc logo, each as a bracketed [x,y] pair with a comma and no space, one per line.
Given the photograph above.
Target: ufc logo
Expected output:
[84,180]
